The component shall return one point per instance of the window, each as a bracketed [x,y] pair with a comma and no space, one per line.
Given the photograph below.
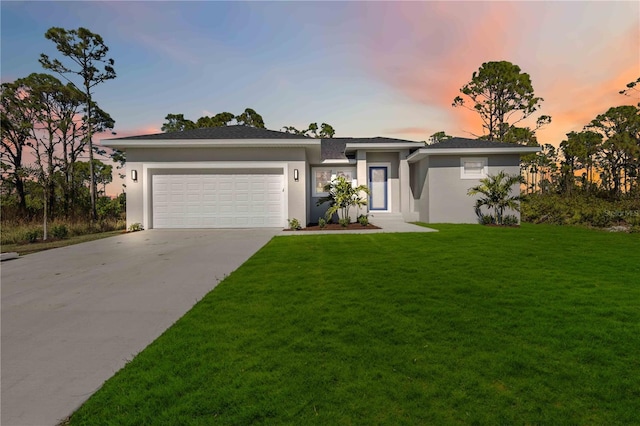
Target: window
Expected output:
[324,175]
[473,168]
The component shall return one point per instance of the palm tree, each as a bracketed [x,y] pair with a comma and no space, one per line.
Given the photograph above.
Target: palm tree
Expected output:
[342,196]
[496,191]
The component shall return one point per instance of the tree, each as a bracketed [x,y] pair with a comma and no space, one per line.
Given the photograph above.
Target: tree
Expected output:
[438,137]
[87,51]
[342,196]
[17,119]
[325,131]
[632,87]
[579,150]
[619,153]
[250,118]
[177,123]
[497,195]
[218,120]
[502,95]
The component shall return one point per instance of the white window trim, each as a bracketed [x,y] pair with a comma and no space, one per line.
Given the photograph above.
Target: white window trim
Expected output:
[485,167]
[333,171]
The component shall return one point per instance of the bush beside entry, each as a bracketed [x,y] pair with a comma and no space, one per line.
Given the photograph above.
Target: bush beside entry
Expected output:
[342,196]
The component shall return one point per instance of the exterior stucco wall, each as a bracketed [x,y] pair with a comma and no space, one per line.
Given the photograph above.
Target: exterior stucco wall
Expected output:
[364,159]
[133,192]
[448,201]
[419,175]
[148,162]
[214,154]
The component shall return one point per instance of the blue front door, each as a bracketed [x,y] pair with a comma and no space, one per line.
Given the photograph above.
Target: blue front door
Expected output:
[378,196]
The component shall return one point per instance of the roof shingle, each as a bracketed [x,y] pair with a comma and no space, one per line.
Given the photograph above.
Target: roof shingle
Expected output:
[225,132]
[470,143]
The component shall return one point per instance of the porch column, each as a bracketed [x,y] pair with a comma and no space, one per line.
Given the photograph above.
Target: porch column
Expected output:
[361,172]
[405,186]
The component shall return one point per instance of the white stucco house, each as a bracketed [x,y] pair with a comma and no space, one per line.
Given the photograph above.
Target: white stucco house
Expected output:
[245,177]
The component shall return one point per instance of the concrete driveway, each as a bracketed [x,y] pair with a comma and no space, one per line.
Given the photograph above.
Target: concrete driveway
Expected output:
[73,316]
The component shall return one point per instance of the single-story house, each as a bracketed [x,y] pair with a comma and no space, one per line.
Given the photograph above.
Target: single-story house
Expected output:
[244,177]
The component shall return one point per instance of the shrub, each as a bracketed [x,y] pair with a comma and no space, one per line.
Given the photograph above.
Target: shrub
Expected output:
[60,231]
[510,220]
[344,222]
[363,220]
[322,222]
[294,224]
[485,219]
[495,194]
[134,227]
[342,196]
[580,209]
[32,235]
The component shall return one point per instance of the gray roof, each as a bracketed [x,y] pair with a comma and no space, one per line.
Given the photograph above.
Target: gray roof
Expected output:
[333,149]
[377,139]
[224,132]
[462,143]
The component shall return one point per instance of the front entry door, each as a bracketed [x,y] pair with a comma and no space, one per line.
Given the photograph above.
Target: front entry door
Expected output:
[378,197]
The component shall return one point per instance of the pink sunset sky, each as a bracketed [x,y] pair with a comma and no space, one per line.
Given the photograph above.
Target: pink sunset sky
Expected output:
[367,68]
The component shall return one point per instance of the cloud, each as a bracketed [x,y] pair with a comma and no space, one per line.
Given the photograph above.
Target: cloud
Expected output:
[146,130]
[415,131]
[578,59]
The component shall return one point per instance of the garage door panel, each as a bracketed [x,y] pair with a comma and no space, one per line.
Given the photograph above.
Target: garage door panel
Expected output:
[217,201]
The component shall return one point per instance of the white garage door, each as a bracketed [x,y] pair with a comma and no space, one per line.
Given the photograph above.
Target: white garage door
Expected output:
[218,201]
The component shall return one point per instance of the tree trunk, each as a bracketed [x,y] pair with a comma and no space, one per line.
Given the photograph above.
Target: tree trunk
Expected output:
[92,177]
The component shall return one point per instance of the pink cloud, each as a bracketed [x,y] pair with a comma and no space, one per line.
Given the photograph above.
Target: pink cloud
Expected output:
[147,130]
[427,51]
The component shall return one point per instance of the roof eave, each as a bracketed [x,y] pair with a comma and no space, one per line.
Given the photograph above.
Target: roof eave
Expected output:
[123,144]
[384,146]
[424,152]
[339,161]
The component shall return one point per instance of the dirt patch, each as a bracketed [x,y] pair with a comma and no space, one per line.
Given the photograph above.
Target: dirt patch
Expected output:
[336,227]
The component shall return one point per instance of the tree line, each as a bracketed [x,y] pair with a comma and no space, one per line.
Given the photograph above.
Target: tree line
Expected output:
[178,123]
[601,159]
[47,130]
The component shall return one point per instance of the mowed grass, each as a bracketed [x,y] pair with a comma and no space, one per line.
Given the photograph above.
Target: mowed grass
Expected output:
[470,325]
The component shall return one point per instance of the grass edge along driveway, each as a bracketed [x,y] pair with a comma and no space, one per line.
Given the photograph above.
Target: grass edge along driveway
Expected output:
[530,325]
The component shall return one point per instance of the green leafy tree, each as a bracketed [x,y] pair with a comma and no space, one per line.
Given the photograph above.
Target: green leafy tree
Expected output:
[325,131]
[342,195]
[218,120]
[17,117]
[87,52]
[632,88]
[250,118]
[502,95]
[619,153]
[579,151]
[177,123]
[496,193]
[438,137]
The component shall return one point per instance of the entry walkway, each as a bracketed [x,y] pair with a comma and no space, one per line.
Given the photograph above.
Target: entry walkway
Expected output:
[387,223]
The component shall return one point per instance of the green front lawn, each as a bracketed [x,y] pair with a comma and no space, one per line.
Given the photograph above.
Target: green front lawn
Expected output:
[470,325]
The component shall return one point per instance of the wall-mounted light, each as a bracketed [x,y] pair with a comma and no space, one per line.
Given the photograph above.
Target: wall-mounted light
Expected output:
[134,175]
[296,175]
